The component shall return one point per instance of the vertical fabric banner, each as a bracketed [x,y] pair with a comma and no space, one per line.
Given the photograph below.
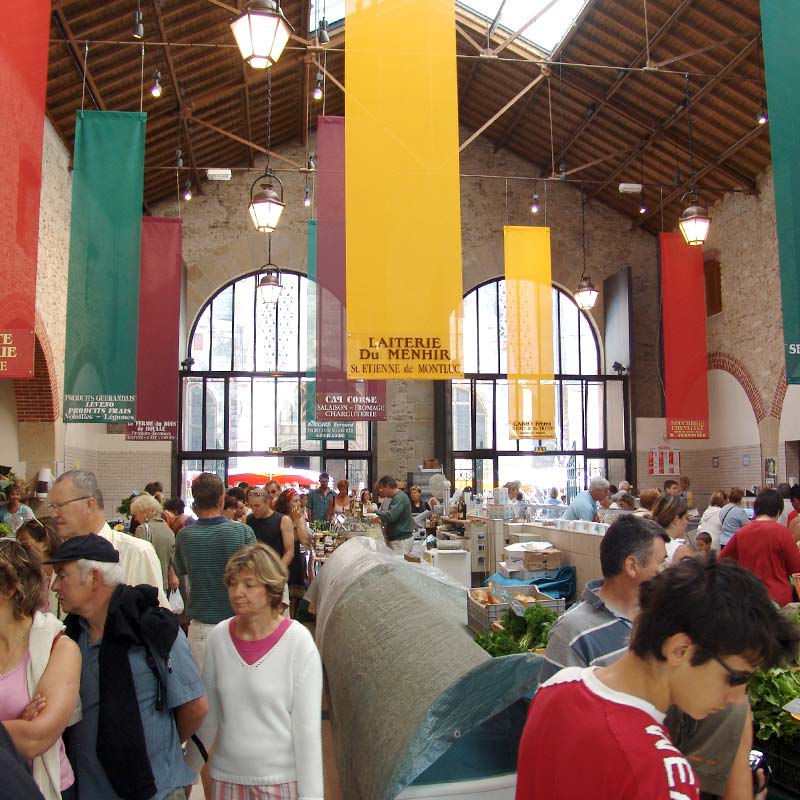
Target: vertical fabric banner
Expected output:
[336,397]
[683,313]
[404,310]
[319,425]
[23,80]
[159,323]
[529,326]
[780,23]
[104,251]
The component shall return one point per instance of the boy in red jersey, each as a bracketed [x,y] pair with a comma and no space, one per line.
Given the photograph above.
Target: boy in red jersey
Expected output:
[703,628]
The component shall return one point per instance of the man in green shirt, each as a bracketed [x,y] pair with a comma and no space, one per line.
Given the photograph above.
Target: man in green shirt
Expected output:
[202,550]
[398,524]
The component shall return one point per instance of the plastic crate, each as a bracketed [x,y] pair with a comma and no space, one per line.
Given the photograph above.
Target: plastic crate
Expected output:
[480,618]
[783,758]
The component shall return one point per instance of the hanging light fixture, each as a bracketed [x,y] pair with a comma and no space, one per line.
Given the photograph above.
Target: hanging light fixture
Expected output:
[694,221]
[317,93]
[187,190]
[585,295]
[642,203]
[266,205]
[269,281]
[306,197]
[535,204]
[155,89]
[763,116]
[322,32]
[138,27]
[261,33]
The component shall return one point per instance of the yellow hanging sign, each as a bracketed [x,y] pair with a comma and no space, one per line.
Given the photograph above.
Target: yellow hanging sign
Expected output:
[404,290]
[529,329]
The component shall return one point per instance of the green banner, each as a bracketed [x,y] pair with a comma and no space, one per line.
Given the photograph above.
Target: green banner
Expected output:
[780,22]
[104,250]
[316,430]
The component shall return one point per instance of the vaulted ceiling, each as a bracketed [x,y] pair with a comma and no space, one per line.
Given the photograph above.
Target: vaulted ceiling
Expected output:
[609,102]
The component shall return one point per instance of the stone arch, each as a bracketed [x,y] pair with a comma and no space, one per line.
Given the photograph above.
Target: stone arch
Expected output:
[780,395]
[37,397]
[730,363]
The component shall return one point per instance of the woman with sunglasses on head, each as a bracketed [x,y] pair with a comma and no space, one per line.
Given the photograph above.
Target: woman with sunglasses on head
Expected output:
[42,536]
[39,672]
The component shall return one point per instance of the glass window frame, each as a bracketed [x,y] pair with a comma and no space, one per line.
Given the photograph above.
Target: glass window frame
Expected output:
[326,450]
[582,457]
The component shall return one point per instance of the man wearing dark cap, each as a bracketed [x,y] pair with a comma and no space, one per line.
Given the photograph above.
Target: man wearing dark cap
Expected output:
[140,689]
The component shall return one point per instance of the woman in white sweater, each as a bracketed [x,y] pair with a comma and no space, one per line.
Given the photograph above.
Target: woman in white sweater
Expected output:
[263,676]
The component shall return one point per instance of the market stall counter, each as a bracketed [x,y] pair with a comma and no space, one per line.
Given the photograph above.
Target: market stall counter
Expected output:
[418,709]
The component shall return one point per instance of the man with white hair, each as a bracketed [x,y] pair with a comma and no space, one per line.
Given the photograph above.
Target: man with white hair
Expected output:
[141,691]
[76,503]
[584,506]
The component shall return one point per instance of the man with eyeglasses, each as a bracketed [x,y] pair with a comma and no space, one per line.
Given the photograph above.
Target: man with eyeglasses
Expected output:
[76,504]
[690,649]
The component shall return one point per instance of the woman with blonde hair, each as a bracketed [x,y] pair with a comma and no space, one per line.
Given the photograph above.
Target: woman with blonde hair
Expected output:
[40,672]
[263,676]
[152,528]
[339,502]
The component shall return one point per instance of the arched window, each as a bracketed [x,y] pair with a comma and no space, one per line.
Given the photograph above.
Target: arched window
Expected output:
[244,400]
[591,420]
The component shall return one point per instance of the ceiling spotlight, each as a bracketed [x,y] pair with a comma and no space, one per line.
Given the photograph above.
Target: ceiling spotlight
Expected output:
[178,159]
[261,33]
[562,170]
[187,190]
[322,32]
[535,204]
[155,89]
[306,198]
[312,162]
[763,117]
[317,93]
[138,28]
[642,205]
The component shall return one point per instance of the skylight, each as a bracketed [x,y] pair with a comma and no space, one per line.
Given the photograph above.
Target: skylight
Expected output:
[546,32]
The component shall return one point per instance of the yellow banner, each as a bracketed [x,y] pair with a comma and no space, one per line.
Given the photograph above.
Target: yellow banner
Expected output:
[404,312]
[529,328]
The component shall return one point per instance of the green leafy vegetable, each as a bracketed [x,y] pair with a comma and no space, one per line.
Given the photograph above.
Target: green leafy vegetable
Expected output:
[498,643]
[539,620]
[514,625]
[769,692]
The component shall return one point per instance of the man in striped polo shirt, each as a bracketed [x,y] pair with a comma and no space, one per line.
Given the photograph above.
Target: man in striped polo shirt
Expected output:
[596,632]
[202,550]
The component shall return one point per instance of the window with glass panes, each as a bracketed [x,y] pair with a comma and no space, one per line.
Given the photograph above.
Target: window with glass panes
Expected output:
[591,420]
[244,399]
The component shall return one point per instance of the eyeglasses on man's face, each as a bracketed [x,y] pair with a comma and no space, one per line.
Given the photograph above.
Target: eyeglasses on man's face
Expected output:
[736,677]
[59,506]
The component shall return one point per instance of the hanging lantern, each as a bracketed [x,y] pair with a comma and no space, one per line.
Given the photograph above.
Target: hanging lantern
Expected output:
[269,287]
[261,33]
[694,221]
[266,205]
[585,295]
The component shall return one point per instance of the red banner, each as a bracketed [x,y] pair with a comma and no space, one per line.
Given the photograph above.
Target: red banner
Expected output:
[23,82]
[683,310]
[337,398]
[159,327]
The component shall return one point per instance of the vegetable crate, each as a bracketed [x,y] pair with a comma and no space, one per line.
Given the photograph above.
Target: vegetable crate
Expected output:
[480,617]
[783,756]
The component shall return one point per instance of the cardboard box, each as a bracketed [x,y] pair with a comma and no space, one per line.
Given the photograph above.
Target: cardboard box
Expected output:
[542,559]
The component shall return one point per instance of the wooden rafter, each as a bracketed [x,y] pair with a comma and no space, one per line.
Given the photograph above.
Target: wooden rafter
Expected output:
[173,77]
[78,55]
